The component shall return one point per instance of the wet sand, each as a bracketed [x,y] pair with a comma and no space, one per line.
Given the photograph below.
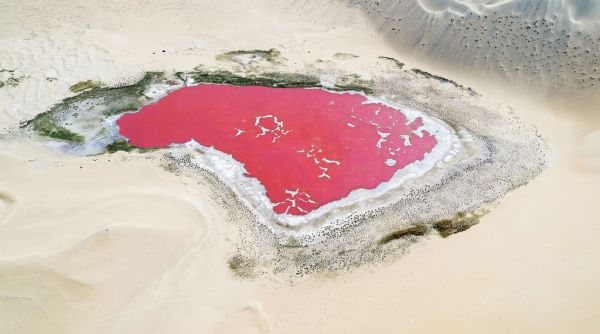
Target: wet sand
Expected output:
[90,245]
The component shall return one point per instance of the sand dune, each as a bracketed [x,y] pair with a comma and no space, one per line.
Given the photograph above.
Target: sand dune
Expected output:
[574,10]
[545,46]
[115,244]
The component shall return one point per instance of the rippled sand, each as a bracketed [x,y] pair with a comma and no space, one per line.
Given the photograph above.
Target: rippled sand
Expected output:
[115,244]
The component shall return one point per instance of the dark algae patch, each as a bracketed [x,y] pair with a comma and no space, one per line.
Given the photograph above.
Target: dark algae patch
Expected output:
[435,77]
[123,145]
[442,79]
[11,78]
[353,82]
[398,63]
[354,87]
[343,55]
[277,80]
[460,223]
[415,230]
[119,145]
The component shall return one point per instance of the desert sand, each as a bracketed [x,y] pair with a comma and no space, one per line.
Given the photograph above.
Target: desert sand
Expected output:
[115,244]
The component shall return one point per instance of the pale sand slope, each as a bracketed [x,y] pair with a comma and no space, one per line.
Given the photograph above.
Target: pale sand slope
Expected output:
[551,45]
[531,266]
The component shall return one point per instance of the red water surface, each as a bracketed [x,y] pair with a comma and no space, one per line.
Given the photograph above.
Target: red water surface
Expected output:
[307,147]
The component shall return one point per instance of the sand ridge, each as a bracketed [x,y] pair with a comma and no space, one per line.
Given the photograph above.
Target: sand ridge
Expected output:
[528,267]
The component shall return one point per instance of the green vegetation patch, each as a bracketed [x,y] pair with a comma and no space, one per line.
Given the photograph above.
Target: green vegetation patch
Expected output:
[414,230]
[84,85]
[242,266]
[269,55]
[343,55]
[113,101]
[46,126]
[269,80]
[118,100]
[278,80]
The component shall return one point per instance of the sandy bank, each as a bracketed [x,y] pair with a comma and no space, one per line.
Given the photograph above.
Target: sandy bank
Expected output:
[530,266]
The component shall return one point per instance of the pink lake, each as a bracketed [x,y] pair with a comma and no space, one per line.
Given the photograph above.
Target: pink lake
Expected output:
[307,147]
